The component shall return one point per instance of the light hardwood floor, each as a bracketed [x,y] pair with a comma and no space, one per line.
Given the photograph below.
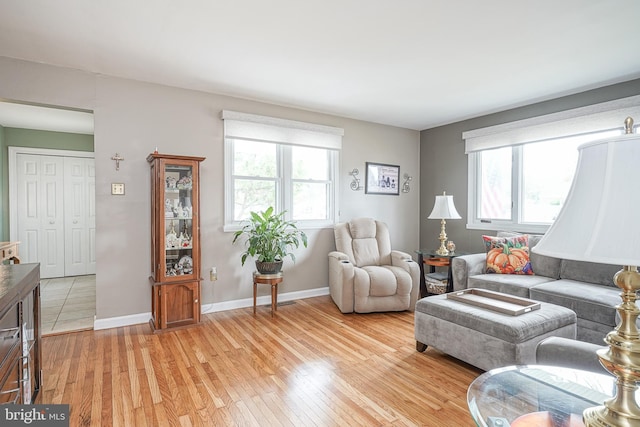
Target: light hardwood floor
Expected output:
[309,365]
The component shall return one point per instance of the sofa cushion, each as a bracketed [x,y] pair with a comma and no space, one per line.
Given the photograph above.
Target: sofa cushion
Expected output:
[593,332]
[543,265]
[591,302]
[508,255]
[590,272]
[517,285]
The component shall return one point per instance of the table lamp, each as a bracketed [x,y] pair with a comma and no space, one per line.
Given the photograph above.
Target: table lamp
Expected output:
[599,223]
[443,209]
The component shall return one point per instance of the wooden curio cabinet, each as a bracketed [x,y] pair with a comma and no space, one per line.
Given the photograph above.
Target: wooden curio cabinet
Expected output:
[175,240]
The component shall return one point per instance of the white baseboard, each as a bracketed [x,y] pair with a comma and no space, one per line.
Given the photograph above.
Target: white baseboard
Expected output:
[266,299]
[135,319]
[115,322]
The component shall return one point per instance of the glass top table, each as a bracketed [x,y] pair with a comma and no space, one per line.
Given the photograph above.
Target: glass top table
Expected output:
[536,395]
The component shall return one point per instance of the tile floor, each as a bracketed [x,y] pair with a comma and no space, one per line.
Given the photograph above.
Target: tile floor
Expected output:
[67,304]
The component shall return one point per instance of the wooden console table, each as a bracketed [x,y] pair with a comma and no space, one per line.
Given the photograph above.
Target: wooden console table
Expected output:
[20,334]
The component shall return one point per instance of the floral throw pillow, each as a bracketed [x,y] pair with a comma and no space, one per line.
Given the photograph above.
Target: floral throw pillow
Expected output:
[508,255]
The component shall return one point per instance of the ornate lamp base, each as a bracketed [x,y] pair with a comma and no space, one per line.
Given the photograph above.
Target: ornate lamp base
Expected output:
[601,416]
[442,250]
[622,359]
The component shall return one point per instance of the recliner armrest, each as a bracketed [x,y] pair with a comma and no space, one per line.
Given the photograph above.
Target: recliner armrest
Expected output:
[341,273]
[400,258]
[339,256]
[404,260]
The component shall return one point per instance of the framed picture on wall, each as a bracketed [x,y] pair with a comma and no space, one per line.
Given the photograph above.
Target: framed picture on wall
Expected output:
[382,179]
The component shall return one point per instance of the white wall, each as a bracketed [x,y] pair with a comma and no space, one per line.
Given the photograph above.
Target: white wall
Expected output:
[133,118]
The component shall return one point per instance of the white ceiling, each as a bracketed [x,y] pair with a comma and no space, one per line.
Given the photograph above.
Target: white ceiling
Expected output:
[409,63]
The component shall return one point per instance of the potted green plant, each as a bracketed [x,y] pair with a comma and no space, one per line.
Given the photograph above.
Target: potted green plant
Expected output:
[270,238]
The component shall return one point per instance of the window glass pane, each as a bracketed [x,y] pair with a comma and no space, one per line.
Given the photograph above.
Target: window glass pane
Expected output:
[252,195]
[309,201]
[310,163]
[252,158]
[547,172]
[495,187]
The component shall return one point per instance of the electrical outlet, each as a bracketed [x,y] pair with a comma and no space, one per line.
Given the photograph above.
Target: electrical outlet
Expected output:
[213,274]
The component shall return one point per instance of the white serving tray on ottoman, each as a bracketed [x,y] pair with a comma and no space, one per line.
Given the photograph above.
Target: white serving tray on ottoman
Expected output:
[496,301]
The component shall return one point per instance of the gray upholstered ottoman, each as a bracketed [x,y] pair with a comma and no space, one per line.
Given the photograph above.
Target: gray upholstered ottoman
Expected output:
[484,338]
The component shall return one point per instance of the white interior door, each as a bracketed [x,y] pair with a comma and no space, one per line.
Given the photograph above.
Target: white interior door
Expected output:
[40,204]
[52,209]
[79,216]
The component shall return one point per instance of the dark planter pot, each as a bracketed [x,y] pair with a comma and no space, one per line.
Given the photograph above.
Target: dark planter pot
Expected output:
[268,267]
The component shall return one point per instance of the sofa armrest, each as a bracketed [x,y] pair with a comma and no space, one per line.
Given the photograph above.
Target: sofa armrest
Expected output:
[465,266]
[404,260]
[568,353]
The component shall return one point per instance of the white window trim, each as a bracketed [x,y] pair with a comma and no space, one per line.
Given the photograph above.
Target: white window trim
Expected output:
[593,118]
[254,127]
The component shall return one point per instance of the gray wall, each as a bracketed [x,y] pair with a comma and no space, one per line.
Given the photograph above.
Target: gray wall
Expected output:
[443,163]
[133,118]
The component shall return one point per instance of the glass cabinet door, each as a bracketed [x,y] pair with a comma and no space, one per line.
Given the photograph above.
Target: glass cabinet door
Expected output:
[177,239]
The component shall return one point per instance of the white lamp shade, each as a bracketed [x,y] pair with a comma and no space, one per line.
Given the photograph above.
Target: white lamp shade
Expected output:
[444,208]
[600,219]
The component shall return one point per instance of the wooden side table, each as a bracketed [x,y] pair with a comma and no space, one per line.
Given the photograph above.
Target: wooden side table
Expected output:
[267,279]
[433,260]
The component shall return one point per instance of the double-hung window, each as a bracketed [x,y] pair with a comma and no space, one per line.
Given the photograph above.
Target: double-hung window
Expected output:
[286,164]
[520,173]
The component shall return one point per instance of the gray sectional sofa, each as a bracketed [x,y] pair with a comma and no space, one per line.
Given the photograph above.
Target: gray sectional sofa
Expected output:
[585,288]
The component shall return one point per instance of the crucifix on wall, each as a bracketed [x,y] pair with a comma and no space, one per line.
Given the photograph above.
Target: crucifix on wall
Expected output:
[117,158]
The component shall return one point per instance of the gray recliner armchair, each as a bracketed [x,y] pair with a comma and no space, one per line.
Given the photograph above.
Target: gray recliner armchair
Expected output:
[366,275]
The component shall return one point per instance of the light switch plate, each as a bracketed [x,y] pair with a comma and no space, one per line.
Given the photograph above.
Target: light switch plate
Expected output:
[117,188]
